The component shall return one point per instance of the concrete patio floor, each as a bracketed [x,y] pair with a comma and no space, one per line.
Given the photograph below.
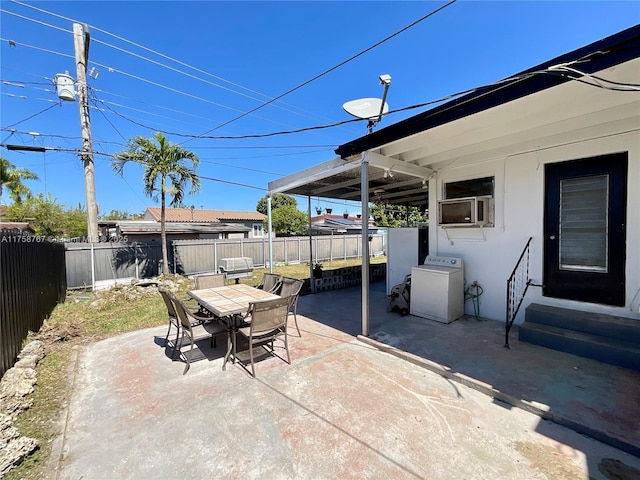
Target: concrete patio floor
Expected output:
[416,400]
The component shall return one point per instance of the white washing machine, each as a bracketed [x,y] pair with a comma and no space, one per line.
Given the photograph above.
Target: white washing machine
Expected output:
[437,289]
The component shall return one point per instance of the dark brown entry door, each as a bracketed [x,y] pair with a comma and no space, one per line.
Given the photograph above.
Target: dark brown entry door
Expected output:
[584,229]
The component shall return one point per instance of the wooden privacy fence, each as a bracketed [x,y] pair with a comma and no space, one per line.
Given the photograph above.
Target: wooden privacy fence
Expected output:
[90,264]
[32,282]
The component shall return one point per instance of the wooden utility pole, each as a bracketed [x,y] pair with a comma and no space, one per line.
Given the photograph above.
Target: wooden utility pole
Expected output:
[81,47]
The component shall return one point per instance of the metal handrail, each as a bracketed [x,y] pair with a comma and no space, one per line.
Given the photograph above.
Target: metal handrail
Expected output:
[517,286]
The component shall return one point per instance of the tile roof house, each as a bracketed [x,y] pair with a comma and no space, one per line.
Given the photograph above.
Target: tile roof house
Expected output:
[204,216]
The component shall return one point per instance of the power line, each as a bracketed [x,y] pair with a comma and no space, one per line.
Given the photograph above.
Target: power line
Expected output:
[2,10]
[6,82]
[239,147]
[250,147]
[353,57]
[106,102]
[111,69]
[98,90]
[232,183]
[180,92]
[55,135]
[173,69]
[46,50]
[300,130]
[170,59]
[499,84]
[32,116]
[241,168]
[136,77]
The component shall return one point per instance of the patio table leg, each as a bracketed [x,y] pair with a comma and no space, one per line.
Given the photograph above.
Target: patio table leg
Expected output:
[230,322]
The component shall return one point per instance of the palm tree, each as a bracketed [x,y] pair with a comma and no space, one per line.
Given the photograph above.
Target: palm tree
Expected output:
[165,171]
[12,177]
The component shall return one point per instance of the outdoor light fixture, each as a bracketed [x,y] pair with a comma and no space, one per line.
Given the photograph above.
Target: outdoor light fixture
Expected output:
[385,79]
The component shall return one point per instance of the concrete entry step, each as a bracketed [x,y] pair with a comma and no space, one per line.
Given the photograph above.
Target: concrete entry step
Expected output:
[608,350]
[610,326]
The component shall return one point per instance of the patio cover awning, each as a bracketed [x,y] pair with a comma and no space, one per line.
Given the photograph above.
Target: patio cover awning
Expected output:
[367,177]
[391,181]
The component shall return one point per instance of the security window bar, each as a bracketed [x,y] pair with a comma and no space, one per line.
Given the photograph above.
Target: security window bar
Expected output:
[584,220]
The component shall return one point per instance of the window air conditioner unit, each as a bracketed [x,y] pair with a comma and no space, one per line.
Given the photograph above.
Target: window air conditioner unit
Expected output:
[465,212]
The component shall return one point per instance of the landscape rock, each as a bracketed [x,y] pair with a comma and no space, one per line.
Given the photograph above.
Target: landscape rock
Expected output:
[16,385]
[36,347]
[13,448]
[29,361]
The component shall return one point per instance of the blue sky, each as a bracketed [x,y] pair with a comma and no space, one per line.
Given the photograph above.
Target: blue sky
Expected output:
[221,59]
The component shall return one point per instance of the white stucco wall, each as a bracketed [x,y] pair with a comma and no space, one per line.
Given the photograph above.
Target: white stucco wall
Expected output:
[517,164]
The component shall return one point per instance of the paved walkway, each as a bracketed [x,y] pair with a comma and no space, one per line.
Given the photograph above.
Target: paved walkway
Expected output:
[342,409]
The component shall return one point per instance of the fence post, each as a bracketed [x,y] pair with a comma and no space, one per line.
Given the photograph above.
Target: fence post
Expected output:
[93,269]
[344,243]
[286,240]
[215,256]
[175,267]
[331,248]
[135,252]
[241,248]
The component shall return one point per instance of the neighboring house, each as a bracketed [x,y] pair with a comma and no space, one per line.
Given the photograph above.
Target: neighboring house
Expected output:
[554,149]
[16,228]
[254,221]
[186,224]
[149,230]
[338,224]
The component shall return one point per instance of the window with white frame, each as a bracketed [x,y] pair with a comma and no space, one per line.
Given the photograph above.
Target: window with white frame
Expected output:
[258,230]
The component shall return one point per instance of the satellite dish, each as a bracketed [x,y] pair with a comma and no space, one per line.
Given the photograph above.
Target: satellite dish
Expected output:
[366,108]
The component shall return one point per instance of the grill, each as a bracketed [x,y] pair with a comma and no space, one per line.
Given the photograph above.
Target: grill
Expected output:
[236,268]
